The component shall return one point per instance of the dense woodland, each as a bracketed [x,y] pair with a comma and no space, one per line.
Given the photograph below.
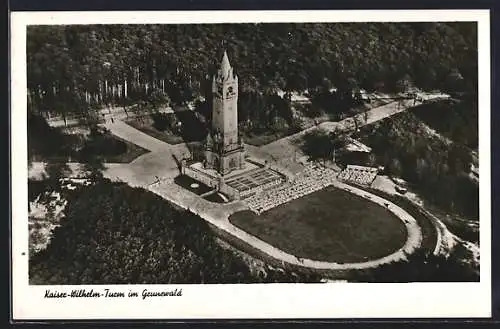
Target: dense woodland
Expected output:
[115,234]
[455,120]
[72,69]
[46,143]
[422,266]
[437,170]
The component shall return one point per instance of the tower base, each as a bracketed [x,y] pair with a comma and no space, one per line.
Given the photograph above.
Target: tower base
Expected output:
[254,177]
[225,162]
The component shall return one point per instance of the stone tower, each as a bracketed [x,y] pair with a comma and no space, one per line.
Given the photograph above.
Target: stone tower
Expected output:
[224,150]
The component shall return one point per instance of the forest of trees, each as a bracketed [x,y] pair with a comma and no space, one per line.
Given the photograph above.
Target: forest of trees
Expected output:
[437,170]
[457,121]
[115,234]
[320,145]
[46,141]
[422,266]
[72,69]
[51,143]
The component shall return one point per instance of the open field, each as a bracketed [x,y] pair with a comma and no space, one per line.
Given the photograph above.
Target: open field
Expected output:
[243,247]
[133,152]
[165,136]
[426,224]
[329,225]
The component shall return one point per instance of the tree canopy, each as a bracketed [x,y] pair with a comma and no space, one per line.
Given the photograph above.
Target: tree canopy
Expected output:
[73,67]
[422,266]
[437,169]
[52,143]
[319,144]
[455,120]
[115,234]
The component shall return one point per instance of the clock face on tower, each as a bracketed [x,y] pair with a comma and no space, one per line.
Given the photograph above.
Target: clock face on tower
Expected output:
[229,92]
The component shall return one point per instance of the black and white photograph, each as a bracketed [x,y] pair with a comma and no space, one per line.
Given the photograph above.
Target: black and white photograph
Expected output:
[249,154]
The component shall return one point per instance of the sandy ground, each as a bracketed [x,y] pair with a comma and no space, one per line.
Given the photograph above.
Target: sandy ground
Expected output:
[41,221]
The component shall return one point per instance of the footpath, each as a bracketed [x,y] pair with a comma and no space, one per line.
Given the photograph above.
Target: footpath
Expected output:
[287,147]
[218,214]
[161,163]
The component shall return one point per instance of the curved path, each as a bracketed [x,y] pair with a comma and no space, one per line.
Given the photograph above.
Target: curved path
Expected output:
[160,162]
[286,146]
[218,214]
[129,133]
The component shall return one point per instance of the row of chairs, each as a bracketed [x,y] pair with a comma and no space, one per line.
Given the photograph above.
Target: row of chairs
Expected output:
[259,188]
[312,179]
[359,175]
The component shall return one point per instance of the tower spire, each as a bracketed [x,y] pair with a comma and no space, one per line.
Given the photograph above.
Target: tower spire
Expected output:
[225,66]
[224,150]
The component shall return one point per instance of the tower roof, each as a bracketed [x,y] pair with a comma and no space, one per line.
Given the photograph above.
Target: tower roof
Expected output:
[225,66]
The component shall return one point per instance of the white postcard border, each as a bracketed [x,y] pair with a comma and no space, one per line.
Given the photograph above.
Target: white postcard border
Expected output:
[336,300]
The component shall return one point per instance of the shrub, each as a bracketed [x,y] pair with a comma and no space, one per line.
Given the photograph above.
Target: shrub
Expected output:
[160,121]
[102,144]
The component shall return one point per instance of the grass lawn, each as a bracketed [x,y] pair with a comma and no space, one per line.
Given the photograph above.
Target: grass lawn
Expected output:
[192,185]
[329,225]
[164,136]
[461,227]
[258,254]
[259,139]
[426,224]
[133,151]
